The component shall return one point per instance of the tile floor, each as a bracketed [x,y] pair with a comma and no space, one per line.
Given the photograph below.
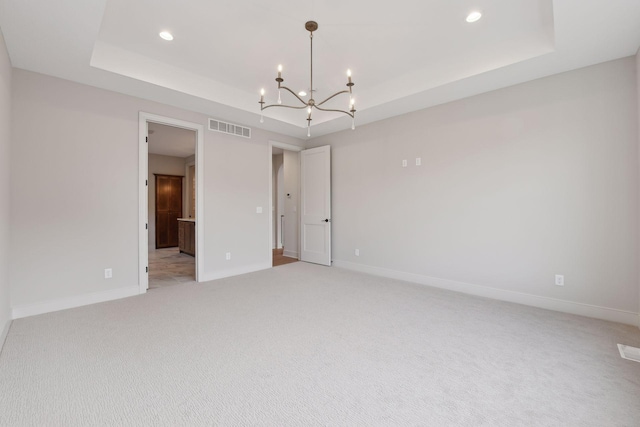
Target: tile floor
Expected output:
[169,267]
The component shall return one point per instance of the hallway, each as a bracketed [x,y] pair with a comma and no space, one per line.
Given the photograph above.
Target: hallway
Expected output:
[280,259]
[169,267]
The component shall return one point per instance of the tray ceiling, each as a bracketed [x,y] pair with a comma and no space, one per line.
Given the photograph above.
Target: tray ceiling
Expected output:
[404,56]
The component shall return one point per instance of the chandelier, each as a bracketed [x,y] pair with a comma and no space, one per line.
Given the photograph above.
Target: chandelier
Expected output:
[310,26]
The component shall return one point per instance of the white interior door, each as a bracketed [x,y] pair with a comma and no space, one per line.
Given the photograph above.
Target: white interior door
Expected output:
[315,205]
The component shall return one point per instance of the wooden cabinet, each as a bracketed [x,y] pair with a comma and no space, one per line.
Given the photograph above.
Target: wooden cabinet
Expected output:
[168,209]
[187,237]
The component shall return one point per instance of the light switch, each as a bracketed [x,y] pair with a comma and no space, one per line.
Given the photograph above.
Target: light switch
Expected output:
[404,163]
[259,209]
[418,161]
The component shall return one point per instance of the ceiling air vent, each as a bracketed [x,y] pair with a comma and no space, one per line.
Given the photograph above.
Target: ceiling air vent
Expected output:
[231,129]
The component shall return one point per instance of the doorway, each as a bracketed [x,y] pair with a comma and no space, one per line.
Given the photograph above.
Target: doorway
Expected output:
[170,149]
[311,206]
[172,255]
[285,192]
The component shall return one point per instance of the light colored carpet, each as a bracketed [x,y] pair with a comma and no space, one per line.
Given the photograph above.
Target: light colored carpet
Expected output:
[307,345]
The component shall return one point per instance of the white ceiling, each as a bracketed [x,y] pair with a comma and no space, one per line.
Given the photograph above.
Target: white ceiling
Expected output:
[404,57]
[171,140]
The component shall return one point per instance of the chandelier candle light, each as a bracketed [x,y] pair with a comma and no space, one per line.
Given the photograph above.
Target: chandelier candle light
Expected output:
[310,26]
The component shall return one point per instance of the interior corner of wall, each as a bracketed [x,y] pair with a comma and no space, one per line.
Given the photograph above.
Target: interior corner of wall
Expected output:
[4,332]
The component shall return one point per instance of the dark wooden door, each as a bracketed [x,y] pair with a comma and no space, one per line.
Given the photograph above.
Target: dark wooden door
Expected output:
[168,210]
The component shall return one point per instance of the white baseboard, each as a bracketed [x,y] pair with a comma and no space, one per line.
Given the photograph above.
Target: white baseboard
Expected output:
[235,271]
[4,333]
[74,301]
[598,312]
[290,254]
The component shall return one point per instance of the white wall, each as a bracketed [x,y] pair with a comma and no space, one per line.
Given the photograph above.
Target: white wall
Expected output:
[515,186]
[291,162]
[163,165]
[5,167]
[66,230]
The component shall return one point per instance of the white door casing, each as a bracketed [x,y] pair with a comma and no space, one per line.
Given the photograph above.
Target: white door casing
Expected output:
[315,205]
[143,194]
[279,206]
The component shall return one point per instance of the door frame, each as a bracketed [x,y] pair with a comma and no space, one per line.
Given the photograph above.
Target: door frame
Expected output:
[143,193]
[288,147]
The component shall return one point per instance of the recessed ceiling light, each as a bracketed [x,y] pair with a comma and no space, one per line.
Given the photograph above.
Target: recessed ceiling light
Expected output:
[166,35]
[474,16]
[302,93]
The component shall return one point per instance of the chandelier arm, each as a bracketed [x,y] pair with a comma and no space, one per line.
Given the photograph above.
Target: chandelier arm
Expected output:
[285,106]
[337,111]
[335,94]
[294,94]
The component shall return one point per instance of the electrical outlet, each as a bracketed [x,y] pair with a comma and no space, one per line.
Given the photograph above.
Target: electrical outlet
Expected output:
[228,256]
[404,163]
[108,273]
[259,209]
[357,252]
[559,280]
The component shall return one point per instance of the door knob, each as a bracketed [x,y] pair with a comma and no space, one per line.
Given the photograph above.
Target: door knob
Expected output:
[327,220]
